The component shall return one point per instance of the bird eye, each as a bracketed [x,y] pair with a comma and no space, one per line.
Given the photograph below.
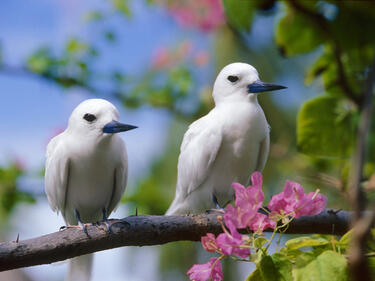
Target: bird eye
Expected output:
[232,78]
[89,117]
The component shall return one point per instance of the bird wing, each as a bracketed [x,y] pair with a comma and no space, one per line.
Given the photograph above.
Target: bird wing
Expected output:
[56,174]
[263,153]
[199,149]
[120,177]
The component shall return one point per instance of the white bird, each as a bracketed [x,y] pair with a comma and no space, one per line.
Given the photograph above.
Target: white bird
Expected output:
[86,170]
[226,145]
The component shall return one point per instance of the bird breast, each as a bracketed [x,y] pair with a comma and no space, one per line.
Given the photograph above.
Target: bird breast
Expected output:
[243,129]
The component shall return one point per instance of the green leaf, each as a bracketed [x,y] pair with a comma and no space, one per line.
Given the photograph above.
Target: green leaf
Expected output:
[110,36]
[122,6]
[255,276]
[93,16]
[40,61]
[318,67]
[324,127]
[345,239]
[295,34]
[268,269]
[305,241]
[371,264]
[75,45]
[329,266]
[272,268]
[259,242]
[283,265]
[239,13]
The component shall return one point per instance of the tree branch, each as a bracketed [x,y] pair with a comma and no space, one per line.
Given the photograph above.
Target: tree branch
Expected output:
[361,225]
[142,230]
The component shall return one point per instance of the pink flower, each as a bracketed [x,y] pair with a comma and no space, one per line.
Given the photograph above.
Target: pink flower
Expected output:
[202,272]
[312,204]
[238,217]
[252,196]
[161,58]
[204,14]
[232,243]
[209,243]
[261,222]
[201,58]
[294,202]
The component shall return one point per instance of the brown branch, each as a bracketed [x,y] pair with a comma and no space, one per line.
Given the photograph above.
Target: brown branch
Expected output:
[362,225]
[142,230]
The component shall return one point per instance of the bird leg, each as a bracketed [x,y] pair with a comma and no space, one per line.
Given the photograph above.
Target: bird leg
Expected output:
[106,221]
[218,209]
[80,225]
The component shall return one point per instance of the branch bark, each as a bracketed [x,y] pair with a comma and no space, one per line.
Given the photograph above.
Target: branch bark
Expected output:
[144,230]
[362,225]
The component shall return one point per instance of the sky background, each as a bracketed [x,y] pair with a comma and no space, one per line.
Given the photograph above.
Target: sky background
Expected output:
[33,110]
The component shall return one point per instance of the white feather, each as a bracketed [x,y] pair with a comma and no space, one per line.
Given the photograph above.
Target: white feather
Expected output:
[86,170]
[223,147]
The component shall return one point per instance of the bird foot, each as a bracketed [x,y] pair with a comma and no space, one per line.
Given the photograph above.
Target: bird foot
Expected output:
[105,221]
[80,225]
[106,226]
[220,211]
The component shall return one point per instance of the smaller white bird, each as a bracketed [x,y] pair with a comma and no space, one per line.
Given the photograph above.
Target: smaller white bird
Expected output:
[87,170]
[226,145]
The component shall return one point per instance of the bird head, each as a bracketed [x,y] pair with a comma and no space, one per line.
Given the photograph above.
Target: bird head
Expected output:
[238,81]
[96,117]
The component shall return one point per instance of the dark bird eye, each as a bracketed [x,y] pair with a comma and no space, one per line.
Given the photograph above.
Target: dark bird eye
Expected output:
[232,78]
[89,117]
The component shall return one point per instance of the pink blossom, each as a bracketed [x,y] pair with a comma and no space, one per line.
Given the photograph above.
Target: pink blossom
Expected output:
[161,58]
[183,49]
[312,204]
[293,201]
[202,272]
[261,222]
[238,217]
[232,243]
[252,196]
[204,14]
[209,243]
[201,58]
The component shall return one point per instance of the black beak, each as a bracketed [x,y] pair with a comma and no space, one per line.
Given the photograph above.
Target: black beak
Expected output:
[260,86]
[117,127]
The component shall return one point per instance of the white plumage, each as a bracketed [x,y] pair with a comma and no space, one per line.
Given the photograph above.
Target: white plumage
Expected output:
[87,169]
[226,145]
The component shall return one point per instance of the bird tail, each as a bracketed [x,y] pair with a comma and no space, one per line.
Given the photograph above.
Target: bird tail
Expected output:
[176,208]
[80,268]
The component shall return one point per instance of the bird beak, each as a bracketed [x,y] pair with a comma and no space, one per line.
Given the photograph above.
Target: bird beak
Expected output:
[260,86]
[117,127]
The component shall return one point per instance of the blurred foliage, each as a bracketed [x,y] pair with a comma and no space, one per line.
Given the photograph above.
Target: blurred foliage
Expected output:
[10,194]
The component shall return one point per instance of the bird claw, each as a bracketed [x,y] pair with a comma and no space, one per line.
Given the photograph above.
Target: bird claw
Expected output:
[220,211]
[106,222]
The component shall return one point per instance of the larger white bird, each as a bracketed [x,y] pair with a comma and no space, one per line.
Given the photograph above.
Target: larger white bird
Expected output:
[86,170]
[226,145]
